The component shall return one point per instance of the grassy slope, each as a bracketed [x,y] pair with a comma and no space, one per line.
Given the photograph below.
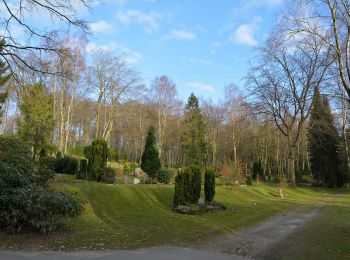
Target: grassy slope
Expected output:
[131,216]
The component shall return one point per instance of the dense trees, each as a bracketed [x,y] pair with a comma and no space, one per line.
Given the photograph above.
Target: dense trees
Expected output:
[323,143]
[104,97]
[287,71]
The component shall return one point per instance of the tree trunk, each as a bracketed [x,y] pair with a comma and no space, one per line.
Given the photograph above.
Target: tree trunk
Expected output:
[62,121]
[344,120]
[291,165]
[69,111]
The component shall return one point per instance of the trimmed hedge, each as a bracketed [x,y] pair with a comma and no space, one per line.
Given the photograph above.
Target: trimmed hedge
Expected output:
[187,187]
[67,164]
[97,154]
[209,185]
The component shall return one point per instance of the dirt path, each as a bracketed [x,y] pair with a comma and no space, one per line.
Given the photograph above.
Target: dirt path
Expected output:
[254,242]
[257,241]
[153,253]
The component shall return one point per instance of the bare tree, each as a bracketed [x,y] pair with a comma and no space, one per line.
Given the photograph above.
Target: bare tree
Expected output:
[36,41]
[164,94]
[289,68]
[114,81]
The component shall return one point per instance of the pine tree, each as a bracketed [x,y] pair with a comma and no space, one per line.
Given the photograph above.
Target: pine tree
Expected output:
[322,142]
[37,119]
[150,161]
[192,138]
[3,80]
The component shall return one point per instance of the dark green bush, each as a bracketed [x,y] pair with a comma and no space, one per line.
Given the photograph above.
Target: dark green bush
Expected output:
[16,154]
[196,184]
[257,170]
[209,185]
[187,187]
[82,174]
[38,209]
[47,162]
[179,195]
[58,154]
[83,165]
[24,205]
[150,161]
[42,177]
[67,164]
[106,175]
[97,155]
[248,180]
[164,175]
[12,178]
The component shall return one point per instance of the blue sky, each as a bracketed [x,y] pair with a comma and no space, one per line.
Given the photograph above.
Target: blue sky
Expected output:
[202,45]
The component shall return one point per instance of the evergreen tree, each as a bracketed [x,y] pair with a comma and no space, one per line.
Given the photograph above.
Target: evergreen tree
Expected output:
[192,138]
[3,80]
[37,119]
[322,142]
[150,161]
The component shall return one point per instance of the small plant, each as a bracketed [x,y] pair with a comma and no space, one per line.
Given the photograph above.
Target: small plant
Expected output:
[248,180]
[209,185]
[164,175]
[106,175]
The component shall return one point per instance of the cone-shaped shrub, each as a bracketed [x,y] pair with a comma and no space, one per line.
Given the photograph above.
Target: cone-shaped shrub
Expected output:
[209,185]
[150,162]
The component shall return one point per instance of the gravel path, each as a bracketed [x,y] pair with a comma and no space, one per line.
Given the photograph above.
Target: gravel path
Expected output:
[257,241]
[254,242]
[153,253]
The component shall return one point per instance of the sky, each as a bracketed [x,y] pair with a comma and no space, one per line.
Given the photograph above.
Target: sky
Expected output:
[201,45]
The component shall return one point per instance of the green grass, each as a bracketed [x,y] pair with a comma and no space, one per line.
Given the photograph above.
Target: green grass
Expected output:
[133,216]
[326,237]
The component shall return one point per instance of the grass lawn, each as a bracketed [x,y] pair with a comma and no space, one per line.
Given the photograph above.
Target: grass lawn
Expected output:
[326,237]
[133,216]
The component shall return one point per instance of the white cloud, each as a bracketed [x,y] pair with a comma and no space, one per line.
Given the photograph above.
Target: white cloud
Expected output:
[100,26]
[132,57]
[200,61]
[181,35]
[92,47]
[244,34]
[271,3]
[149,21]
[201,86]
[216,44]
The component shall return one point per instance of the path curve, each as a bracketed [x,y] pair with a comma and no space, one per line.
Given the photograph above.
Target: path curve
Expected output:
[254,242]
[258,240]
